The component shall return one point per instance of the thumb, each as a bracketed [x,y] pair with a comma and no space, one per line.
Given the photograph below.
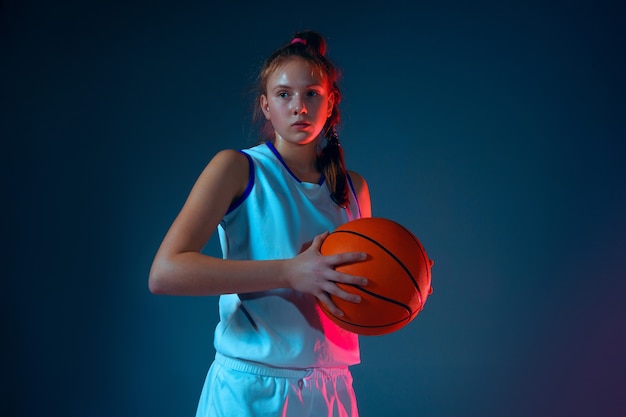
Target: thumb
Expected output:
[317,241]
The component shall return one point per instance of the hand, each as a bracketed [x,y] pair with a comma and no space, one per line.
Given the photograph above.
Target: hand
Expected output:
[313,273]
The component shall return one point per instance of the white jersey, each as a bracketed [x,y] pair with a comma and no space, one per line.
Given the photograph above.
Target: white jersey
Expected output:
[275,218]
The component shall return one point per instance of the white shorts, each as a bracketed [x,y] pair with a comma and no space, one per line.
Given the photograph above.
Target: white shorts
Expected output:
[235,388]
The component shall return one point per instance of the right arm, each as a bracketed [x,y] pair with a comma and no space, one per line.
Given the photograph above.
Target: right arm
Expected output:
[179,267]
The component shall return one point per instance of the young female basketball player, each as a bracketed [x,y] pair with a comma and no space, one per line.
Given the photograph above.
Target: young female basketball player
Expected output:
[277,354]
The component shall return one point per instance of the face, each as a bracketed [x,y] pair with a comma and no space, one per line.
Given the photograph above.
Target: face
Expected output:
[297,103]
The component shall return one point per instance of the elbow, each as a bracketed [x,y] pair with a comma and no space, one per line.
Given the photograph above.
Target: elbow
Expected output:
[156,281]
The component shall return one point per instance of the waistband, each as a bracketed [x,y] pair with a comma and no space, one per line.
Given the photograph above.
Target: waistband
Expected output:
[264,370]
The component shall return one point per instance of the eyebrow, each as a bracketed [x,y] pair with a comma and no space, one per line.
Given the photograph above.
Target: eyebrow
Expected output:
[288,87]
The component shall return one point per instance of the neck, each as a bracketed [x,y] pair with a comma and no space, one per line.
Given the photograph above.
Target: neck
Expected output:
[300,158]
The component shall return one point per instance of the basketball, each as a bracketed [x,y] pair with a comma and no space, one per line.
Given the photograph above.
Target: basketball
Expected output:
[397,268]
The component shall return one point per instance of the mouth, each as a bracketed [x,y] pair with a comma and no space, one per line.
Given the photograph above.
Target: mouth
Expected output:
[301,124]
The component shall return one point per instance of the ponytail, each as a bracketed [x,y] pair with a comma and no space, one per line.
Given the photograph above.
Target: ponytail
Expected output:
[330,161]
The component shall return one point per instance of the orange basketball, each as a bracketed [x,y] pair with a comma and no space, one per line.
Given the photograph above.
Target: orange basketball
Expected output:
[398,270]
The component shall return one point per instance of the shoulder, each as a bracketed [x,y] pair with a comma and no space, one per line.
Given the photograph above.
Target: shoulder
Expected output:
[228,162]
[358,181]
[228,170]
[362,192]
[230,158]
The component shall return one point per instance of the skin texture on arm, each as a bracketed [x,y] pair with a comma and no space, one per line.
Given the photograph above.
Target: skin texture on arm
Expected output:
[180,269]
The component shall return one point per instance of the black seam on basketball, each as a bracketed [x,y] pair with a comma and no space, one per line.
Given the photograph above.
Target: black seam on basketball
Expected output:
[381,297]
[372,326]
[419,245]
[388,252]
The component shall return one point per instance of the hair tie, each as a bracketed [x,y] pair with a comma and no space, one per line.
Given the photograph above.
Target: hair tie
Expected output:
[298,40]
[333,138]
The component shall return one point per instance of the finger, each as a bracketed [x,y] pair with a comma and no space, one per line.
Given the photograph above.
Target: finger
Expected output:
[345,295]
[349,279]
[317,240]
[346,258]
[326,300]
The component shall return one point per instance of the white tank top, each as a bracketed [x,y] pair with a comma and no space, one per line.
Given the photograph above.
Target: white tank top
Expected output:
[275,217]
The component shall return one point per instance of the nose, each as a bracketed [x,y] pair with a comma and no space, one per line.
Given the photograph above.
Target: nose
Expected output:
[298,106]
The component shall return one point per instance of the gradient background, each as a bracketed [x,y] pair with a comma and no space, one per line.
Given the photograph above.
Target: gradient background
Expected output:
[493,130]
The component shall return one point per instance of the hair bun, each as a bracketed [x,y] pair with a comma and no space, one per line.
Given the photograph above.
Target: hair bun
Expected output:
[312,40]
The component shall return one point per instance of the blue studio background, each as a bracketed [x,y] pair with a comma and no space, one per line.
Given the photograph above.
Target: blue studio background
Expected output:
[493,130]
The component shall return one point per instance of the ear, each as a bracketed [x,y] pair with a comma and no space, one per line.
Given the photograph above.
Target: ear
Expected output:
[331,104]
[265,108]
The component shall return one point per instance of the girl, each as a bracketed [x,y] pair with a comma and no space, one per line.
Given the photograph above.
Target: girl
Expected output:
[277,354]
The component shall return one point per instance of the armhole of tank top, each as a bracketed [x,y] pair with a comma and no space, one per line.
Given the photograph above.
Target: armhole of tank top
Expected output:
[356,198]
[248,189]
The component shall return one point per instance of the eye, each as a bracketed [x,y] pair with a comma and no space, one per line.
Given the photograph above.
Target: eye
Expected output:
[313,93]
[282,94]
